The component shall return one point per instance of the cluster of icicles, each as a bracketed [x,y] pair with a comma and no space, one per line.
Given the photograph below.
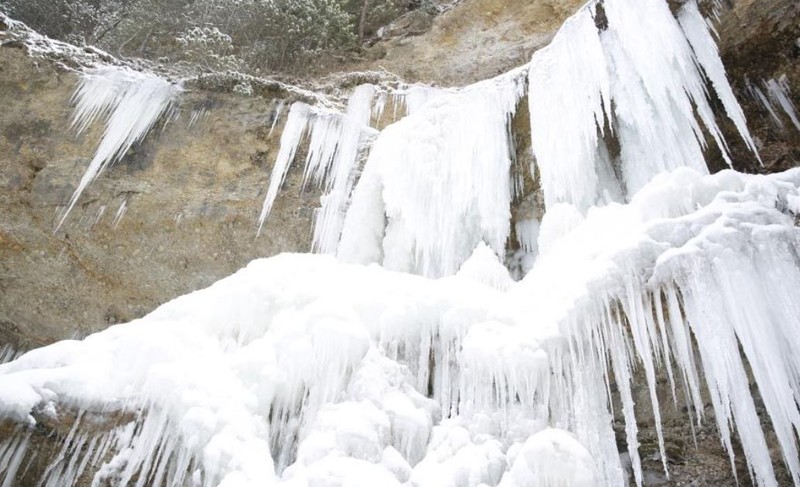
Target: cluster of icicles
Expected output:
[435,368]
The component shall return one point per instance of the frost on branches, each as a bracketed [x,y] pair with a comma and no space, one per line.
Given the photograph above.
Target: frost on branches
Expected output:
[435,368]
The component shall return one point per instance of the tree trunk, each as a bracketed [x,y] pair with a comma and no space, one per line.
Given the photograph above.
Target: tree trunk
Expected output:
[363,22]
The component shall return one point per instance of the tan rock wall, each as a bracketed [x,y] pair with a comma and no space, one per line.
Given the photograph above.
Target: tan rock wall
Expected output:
[477,39]
[193,195]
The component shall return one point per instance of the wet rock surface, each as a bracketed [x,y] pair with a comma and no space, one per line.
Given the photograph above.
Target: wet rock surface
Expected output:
[695,456]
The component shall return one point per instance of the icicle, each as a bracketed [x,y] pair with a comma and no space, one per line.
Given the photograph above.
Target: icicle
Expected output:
[707,56]
[12,453]
[276,117]
[130,102]
[527,235]
[335,158]
[335,142]
[290,140]
[121,210]
[564,130]
[648,90]
[442,176]
[8,353]
[778,91]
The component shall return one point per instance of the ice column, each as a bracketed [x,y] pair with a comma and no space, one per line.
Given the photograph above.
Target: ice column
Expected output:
[441,178]
[335,141]
[602,79]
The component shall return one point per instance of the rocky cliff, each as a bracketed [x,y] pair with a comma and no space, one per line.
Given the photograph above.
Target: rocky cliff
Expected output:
[176,214]
[179,211]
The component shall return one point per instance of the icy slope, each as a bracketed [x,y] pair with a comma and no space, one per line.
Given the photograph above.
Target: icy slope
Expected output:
[352,375]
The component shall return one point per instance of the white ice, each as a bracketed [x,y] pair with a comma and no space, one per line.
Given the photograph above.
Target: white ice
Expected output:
[437,183]
[339,371]
[777,98]
[617,86]
[129,103]
[335,142]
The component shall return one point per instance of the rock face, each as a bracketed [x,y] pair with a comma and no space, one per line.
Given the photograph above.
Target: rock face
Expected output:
[476,39]
[190,199]
[759,42]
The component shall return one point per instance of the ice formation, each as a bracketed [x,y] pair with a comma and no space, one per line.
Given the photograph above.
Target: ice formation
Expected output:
[441,177]
[436,368]
[644,98]
[469,125]
[777,93]
[551,458]
[301,369]
[336,143]
[439,181]
[129,102]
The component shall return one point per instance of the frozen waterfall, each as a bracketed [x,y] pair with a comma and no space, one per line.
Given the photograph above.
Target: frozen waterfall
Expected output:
[408,356]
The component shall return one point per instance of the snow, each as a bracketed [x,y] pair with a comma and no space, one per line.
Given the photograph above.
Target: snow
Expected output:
[408,356]
[552,458]
[67,56]
[348,373]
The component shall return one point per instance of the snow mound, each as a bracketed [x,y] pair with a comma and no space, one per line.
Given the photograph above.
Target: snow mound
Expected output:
[301,369]
[552,458]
